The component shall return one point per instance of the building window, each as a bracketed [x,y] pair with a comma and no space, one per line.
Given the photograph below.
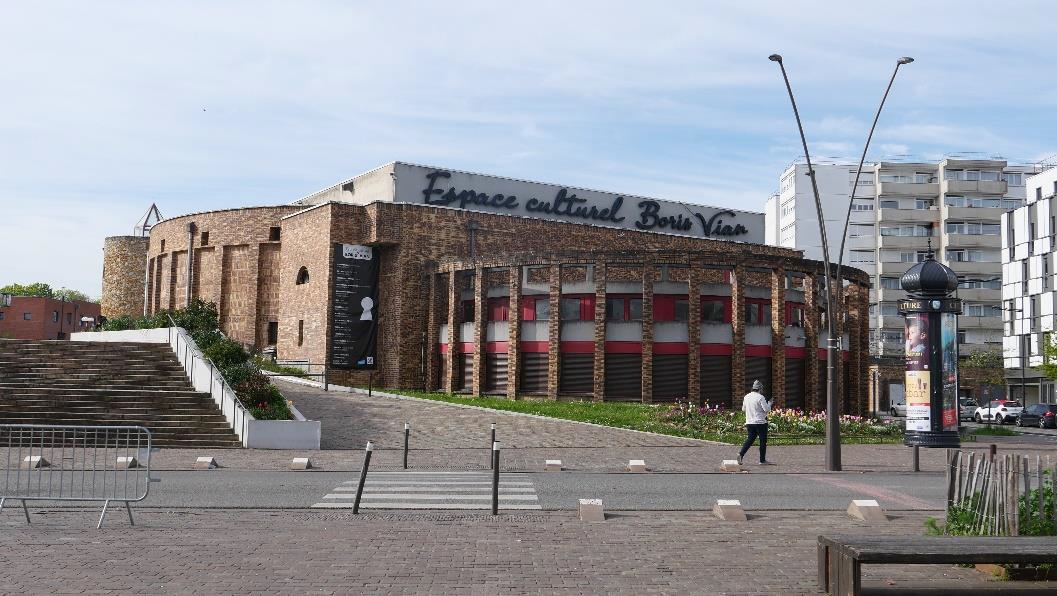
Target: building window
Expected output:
[713,311]
[890,283]
[27,316]
[858,205]
[570,309]
[623,309]
[499,309]
[273,233]
[973,228]
[889,204]
[961,336]
[205,239]
[302,276]
[54,316]
[273,333]
[163,244]
[861,256]
[1013,178]
[794,315]
[538,310]
[682,310]
[980,284]
[69,318]
[300,333]
[667,307]
[889,309]
[911,230]
[758,312]
[1,315]
[924,203]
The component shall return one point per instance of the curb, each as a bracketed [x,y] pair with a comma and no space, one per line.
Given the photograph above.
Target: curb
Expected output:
[355,390]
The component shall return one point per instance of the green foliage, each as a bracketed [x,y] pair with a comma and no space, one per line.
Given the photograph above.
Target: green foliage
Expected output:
[39,289]
[963,519]
[1049,357]
[72,295]
[994,430]
[268,365]
[202,322]
[986,365]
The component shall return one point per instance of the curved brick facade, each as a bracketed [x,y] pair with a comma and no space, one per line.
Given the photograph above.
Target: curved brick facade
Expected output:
[247,262]
[124,263]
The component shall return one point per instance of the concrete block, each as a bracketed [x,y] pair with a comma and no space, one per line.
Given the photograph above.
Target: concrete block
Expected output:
[553,465]
[730,465]
[636,465]
[33,462]
[591,510]
[301,463]
[127,461]
[205,463]
[729,509]
[866,510]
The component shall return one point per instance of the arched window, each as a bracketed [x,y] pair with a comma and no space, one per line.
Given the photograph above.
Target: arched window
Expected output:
[302,276]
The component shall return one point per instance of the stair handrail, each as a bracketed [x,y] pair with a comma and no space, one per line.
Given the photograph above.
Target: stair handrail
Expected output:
[239,413]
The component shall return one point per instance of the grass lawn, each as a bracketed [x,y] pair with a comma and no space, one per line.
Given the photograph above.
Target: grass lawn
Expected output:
[994,431]
[632,416]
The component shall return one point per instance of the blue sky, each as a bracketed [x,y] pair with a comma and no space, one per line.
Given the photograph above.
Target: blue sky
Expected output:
[108,107]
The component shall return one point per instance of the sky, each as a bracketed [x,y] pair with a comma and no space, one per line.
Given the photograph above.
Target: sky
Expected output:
[110,106]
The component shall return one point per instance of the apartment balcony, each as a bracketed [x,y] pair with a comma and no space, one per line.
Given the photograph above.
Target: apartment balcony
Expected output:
[918,216]
[888,268]
[990,214]
[861,243]
[890,295]
[862,216]
[910,189]
[892,321]
[963,268]
[966,322]
[977,295]
[983,187]
[914,242]
[972,241]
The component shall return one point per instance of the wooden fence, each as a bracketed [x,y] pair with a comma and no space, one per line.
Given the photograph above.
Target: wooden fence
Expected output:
[997,492]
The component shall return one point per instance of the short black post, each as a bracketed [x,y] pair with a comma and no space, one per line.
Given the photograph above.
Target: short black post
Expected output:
[363,477]
[407,437]
[992,451]
[326,380]
[370,383]
[491,459]
[495,478]
[917,461]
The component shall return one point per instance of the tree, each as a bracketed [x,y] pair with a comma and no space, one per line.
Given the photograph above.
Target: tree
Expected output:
[986,366]
[72,295]
[36,289]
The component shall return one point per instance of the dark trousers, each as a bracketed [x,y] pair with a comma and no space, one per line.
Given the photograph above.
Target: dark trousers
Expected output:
[756,430]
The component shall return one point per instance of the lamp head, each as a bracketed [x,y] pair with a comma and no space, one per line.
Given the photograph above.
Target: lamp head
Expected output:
[905,60]
[775,58]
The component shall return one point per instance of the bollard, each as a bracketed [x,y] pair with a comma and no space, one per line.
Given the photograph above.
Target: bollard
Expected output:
[917,461]
[495,477]
[363,477]
[992,451]
[490,458]
[326,380]
[407,437]
[370,384]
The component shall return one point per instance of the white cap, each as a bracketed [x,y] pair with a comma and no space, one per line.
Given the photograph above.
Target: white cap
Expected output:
[370,446]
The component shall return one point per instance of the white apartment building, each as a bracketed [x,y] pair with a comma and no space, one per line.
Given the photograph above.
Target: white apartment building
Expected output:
[900,208]
[1029,287]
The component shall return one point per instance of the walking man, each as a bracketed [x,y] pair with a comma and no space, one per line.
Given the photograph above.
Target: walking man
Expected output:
[756,408]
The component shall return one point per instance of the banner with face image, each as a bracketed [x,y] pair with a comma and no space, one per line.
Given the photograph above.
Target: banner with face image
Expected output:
[918,375]
[354,307]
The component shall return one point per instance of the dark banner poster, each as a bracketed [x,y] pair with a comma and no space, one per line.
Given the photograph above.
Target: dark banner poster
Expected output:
[949,322]
[354,308]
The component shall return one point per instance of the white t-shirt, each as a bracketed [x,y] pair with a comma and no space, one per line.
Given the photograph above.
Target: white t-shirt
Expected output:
[756,407]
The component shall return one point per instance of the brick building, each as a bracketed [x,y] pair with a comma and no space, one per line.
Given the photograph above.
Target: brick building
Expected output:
[33,317]
[496,286]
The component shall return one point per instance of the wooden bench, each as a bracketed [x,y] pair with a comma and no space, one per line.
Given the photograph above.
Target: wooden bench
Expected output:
[840,557]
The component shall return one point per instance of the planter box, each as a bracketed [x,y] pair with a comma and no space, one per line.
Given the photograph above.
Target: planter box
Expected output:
[283,434]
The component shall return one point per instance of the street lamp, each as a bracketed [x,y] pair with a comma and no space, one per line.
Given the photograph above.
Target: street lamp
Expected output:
[833,458]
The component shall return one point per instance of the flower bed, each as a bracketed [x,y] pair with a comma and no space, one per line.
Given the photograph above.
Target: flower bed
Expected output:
[782,423]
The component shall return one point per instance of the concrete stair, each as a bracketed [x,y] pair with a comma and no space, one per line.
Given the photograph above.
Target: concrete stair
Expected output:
[108,383]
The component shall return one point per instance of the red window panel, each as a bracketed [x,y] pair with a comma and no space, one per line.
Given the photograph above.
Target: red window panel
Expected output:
[670,307]
[498,309]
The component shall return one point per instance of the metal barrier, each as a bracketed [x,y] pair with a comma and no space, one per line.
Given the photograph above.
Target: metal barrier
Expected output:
[75,463]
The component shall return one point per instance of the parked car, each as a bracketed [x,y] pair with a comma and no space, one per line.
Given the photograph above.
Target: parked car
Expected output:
[1041,415]
[999,410]
[966,408]
[897,408]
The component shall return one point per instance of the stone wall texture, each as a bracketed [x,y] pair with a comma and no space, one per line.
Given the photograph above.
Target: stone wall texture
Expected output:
[124,279]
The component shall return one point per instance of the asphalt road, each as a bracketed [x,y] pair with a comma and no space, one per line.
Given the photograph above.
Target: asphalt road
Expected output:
[562,490]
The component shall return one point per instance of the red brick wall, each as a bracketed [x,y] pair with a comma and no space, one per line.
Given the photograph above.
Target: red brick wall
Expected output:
[42,326]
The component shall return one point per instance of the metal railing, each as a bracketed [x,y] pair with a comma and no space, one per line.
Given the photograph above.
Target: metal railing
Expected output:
[75,463]
[306,369]
[193,360]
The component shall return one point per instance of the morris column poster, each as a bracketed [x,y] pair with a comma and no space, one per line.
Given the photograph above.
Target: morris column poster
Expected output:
[354,307]
[918,375]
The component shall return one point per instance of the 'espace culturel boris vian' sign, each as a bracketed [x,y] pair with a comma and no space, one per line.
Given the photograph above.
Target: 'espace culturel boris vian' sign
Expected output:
[477,192]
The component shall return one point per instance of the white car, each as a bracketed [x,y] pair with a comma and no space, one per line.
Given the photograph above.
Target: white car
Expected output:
[999,410]
[897,408]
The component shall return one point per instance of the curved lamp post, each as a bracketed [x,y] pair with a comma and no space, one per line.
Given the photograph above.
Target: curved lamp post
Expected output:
[833,458]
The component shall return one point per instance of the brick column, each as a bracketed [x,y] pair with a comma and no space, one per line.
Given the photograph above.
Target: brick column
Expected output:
[432,333]
[857,378]
[811,370]
[778,336]
[600,331]
[480,303]
[554,331]
[842,326]
[737,348]
[648,272]
[693,346]
[513,346]
[451,372]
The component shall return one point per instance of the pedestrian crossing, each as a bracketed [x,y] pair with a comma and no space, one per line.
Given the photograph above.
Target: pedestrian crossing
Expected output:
[434,490]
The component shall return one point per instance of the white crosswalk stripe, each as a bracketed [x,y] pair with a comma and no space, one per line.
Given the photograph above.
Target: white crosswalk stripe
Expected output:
[434,490]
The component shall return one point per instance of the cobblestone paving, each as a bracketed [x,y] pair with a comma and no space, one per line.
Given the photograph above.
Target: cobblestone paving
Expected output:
[332,552]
